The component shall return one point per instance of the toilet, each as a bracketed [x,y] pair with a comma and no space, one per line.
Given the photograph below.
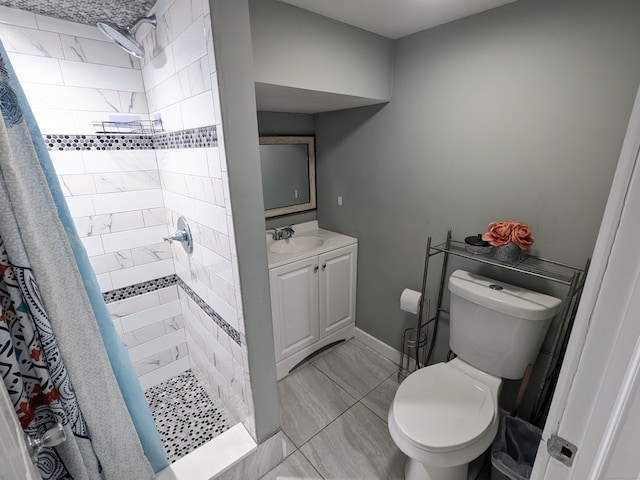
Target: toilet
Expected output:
[445,416]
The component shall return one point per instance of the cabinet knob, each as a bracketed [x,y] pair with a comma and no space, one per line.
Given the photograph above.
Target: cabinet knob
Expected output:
[324,267]
[315,269]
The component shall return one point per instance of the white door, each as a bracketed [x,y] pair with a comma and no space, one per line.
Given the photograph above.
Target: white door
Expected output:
[15,463]
[596,406]
[294,305]
[337,289]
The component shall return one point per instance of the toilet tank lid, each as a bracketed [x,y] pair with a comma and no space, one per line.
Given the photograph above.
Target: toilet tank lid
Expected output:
[503,297]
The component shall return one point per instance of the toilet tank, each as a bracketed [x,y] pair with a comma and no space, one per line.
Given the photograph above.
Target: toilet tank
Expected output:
[496,327]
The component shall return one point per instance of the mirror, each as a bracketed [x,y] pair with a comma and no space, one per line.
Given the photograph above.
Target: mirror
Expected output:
[288,174]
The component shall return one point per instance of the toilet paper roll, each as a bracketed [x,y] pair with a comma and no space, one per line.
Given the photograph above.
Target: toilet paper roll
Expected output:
[410,300]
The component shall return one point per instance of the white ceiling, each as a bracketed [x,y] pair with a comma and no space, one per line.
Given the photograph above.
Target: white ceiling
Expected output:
[396,18]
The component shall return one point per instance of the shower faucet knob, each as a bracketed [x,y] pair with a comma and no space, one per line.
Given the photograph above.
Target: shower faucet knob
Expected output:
[178,237]
[183,235]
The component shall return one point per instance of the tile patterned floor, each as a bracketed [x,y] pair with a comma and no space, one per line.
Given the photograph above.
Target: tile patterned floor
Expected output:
[185,415]
[334,410]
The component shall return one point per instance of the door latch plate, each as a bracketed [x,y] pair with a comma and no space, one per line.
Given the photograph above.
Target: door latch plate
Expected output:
[561,449]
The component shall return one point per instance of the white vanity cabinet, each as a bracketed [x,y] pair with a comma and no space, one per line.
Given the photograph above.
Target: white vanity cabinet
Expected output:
[313,301]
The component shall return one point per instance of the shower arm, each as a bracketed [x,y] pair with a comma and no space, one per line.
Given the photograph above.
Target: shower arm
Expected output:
[142,20]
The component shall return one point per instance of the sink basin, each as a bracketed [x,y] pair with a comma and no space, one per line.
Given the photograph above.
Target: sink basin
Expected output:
[295,245]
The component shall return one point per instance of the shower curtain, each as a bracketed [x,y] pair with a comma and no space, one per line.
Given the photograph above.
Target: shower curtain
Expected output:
[54,325]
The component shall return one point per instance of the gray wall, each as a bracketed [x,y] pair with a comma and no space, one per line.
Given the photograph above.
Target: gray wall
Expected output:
[289,124]
[518,113]
[286,38]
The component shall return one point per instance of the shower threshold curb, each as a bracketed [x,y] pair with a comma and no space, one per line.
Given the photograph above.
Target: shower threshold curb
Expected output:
[212,458]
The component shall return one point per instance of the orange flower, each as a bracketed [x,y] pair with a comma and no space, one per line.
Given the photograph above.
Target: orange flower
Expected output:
[521,236]
[501,233]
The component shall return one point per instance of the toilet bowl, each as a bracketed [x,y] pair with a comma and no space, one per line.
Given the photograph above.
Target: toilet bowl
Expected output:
[443,417]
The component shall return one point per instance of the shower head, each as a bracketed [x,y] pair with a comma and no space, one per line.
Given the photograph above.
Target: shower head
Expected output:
[124,37]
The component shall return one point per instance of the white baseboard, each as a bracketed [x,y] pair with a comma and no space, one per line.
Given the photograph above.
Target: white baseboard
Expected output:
[379,346]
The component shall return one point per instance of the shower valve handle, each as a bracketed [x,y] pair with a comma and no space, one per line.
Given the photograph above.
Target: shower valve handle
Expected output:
[179,236]
[183,235]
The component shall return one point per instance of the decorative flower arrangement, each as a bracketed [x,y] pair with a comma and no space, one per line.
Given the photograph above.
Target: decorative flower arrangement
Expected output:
[501,233]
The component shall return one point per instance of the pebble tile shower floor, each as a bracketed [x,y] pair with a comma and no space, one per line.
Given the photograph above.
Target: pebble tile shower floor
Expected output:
[185,415]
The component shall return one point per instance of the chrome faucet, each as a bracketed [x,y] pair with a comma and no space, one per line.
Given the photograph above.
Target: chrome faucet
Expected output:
[282,233]
[275,233]
[287,232]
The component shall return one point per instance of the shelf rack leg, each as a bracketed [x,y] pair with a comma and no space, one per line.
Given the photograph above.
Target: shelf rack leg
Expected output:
[443,279]
[443,275]
[422,301]
[556,343]
[412,337]
[559,344]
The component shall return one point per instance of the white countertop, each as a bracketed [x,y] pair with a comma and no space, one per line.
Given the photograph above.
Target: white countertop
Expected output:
[332,240]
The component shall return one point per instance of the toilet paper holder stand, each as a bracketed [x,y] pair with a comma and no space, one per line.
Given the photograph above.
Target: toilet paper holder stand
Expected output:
[415,353]
[414,344]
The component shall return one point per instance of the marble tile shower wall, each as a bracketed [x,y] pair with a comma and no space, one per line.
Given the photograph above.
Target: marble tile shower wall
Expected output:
[178,64]
[179,73]
[116,200]
[71,74]
[151,326]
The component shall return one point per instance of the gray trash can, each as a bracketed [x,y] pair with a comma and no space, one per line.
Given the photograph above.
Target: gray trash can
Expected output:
[514,449]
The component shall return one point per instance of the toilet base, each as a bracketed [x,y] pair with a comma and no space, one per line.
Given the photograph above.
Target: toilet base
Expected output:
[414,470]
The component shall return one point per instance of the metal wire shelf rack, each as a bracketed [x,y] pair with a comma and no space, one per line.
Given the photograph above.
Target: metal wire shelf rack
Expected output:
[528,264]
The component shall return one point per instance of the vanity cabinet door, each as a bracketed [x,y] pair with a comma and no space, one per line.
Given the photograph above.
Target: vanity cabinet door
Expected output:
[294,305]
[337,288]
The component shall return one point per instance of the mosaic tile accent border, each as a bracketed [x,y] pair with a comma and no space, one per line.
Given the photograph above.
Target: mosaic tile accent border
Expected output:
[192,138]
[229,330]
[98,142]
[163,282]
[139,288]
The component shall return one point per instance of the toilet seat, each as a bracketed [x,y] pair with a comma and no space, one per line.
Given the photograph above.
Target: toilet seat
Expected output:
[442,409]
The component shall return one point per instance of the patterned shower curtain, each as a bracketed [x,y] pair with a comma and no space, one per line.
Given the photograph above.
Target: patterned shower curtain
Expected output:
[53,361]
[35,376]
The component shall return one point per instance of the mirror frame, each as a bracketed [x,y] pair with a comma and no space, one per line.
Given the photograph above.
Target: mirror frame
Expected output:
[311,155]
